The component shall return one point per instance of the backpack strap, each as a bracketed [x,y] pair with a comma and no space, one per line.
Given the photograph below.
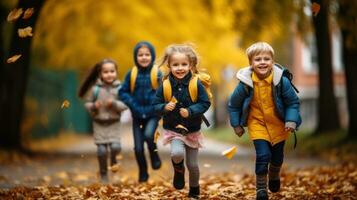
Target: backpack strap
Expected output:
[167,90]
[192,88]
[133,75]
[153,77]
[95,93]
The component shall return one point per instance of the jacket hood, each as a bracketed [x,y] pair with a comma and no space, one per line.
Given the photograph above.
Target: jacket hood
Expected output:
[245,75]
[151,49]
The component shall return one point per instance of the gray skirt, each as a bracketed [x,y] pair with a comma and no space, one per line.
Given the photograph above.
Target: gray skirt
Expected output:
[106,133]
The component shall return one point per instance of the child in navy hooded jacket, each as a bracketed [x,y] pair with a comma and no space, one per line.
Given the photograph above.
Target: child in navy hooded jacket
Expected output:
[145,120]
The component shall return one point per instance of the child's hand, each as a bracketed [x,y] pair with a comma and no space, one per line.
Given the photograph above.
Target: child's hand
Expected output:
[170,106]
[239,131]
[184,112]
[97,104]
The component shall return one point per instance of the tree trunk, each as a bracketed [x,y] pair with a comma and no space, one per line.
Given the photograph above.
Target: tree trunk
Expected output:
[348,18]
[328,117]
[15,79]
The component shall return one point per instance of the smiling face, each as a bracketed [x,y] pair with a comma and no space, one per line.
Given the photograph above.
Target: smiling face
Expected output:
[108,73]
[262,64]
[179,65]
[144,56]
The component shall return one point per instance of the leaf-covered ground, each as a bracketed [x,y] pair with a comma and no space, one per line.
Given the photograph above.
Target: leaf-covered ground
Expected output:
[332,182]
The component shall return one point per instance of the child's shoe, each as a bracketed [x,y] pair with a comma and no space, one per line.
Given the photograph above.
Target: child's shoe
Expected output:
[194,192]
[262,194]
[274,178]
[179,176]
[103,168]
[143,176]
[155,160]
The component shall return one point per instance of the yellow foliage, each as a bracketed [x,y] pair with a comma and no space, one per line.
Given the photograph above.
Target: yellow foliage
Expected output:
[77,34]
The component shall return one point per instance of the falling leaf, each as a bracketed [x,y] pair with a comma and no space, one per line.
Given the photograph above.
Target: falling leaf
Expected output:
[315,7]
[156,136]
[181,127]
[65,104]
[14,15]
[173,100]
[13,58]
[25,32]
[156,150]
[28,13]
[119,157]
[229,153]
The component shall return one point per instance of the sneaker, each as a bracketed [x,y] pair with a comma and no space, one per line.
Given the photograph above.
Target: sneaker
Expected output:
[179,176]
[274,185]
[262,194]
[194,192]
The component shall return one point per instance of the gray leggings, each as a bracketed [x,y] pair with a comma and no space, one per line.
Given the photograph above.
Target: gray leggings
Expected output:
[178,149]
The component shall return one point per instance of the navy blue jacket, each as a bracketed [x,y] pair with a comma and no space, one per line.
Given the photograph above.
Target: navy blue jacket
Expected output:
[180,91]
[140,101]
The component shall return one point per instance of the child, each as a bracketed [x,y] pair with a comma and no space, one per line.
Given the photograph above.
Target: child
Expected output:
[137,94]
[105,110]
[182,117]
[266,102]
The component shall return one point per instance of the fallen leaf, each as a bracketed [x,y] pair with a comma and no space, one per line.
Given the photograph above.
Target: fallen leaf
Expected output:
[28,13]
[13,58]
[156,136]
[14,15]
[65,104]
[315,7]
[206,165]
[229,153]
[25,32]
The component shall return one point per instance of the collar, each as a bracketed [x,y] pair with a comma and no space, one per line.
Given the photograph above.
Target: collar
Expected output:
[184,81]
[100,83]
[268,79]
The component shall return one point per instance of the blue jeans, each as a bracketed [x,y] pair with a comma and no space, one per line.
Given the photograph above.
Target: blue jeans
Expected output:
[266,153]
[144,130]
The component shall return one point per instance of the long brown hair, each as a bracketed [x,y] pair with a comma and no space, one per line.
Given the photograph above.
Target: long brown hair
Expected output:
[93,75]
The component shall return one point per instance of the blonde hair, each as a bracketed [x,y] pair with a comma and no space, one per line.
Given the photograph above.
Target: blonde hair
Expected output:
[258,48]
[186,49]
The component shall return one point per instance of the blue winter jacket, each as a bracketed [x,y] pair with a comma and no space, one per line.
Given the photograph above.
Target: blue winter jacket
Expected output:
[140,101]
[287,104]
[180,91]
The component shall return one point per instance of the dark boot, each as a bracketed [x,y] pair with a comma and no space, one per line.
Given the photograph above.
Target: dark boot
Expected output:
[262,194]
[155,160]
[103,168]
[179,176]
[261,187]
[194,192]
[143,169]
[274,178]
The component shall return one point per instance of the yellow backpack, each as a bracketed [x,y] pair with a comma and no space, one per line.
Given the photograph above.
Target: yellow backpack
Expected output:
[153,76]
[192,86]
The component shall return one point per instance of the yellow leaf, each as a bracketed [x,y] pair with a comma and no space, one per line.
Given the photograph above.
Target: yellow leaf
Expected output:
[28,13]
[14,15]
[25,32]
[65,104]
[173,100]
[315,7]
[156,136]
[229,153]
[181,127]
[13,58]
[114,168]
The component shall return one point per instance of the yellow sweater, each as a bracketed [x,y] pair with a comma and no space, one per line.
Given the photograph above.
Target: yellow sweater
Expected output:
[263,122]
